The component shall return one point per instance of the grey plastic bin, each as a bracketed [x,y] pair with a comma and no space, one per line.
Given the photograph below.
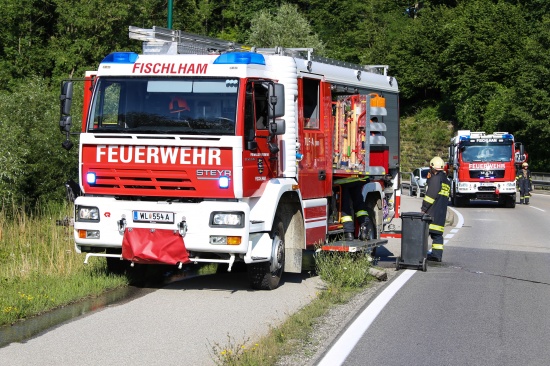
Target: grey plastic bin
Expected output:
[414,240]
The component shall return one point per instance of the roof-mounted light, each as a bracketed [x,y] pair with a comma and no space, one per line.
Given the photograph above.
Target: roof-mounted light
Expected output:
[508,136]
[240,58]
[121,58]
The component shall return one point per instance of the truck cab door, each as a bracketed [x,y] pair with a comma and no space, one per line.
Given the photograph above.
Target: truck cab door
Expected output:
[258,164]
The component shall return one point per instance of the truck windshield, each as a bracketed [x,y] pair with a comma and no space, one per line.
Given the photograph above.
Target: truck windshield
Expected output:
[194,106]
[487,152]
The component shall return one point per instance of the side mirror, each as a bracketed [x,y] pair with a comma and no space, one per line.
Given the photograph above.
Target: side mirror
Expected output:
[521,150]
[278,127]
[65,123]
[276,101]
[66,97]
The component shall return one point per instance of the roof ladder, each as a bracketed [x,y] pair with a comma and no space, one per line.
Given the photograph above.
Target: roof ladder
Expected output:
[160,40]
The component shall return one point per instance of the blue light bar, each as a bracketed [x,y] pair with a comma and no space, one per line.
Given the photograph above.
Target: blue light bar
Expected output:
[240,58]
[121,58]
[508,136]
[464,138]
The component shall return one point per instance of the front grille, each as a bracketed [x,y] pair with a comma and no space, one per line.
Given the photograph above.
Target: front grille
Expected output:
[143,179]
[486,188]
[477,174]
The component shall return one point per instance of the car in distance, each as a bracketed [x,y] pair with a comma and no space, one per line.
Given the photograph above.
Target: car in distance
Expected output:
[418,180]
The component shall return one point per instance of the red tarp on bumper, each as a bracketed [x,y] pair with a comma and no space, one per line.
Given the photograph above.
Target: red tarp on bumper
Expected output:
[154,246]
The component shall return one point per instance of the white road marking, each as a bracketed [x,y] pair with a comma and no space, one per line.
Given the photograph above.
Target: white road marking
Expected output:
[342,348]
[347,341]
[460,222]
[536,208]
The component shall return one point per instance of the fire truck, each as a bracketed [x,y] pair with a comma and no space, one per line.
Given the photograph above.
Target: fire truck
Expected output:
[483,167]
[200,150]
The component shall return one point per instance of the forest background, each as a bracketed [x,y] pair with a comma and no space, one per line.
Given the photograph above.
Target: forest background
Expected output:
[482,65]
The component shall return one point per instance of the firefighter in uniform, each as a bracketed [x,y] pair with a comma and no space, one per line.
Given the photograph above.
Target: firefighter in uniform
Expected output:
[435,204]
[352,201]
[523,181]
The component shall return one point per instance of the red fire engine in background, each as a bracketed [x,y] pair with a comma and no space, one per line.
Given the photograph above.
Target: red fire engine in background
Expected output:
[483,166]
[200,150]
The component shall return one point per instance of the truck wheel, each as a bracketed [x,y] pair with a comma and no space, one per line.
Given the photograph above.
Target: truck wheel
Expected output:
[267,275]
[454,201]
[510,201]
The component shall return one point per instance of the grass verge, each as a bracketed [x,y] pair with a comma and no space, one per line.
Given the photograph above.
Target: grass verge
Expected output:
[344,275]
[39,268]
[40,271]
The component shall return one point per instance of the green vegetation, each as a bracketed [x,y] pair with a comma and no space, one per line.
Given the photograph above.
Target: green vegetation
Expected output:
[39,268]
[344,275]
[480,65]
[423,136]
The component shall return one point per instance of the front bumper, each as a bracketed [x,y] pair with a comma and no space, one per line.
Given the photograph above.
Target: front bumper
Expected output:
[198,234]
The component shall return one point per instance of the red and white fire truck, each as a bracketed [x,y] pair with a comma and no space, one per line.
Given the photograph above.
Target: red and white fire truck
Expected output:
[200,150]
[483,167]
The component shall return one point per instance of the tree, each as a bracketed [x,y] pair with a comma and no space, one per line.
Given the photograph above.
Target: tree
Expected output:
[286,28]
[34,165]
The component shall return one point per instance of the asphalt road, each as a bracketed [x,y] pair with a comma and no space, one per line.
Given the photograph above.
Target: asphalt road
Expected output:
[486,304]
[180,324]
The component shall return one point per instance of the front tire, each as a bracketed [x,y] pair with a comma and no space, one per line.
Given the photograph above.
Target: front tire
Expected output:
[267,275]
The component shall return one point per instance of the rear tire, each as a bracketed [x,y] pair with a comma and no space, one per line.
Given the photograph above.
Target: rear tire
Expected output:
[267,275]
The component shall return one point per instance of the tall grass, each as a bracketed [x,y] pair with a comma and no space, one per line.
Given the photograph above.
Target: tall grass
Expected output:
[344,275]
[39,268]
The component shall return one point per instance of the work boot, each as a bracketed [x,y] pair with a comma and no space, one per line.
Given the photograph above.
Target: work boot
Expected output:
[364,232]
[521,202]
[433,258]
[348,236]
[436,255]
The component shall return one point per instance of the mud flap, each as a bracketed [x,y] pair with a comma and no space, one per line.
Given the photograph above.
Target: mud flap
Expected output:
[154,246]
[293,260]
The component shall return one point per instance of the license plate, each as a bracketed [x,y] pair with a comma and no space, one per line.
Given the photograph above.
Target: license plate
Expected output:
[487,184]
[153,216]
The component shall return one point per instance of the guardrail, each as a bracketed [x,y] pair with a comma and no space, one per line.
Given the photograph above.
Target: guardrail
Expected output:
[540,180]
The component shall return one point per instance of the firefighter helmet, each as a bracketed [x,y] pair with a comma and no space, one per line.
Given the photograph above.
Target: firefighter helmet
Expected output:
[437,163]
[178,104]
[525,165]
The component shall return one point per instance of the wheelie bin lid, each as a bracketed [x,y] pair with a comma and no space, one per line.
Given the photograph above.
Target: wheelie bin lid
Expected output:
[416,216]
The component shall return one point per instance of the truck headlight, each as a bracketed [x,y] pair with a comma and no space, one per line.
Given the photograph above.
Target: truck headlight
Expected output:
[227,219]
[85,213]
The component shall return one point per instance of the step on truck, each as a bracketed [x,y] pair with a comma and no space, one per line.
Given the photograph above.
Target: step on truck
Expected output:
[200,150]
[483,167]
